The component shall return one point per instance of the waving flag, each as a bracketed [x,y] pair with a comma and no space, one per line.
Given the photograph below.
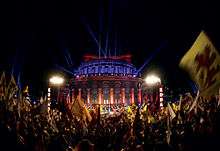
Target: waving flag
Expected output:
[12,88]
[79,109]
[171,112]
[2,86]
[202,62]
[194,104]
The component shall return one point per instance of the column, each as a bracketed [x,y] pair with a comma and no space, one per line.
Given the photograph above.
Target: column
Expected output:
[99,95]
[132,96]
[88,95]
[111,95]
[139,95]
[80,94]
[72,95]
[123,95]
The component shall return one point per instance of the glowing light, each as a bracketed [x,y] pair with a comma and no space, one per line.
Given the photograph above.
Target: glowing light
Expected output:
[56,80]
[111,95]
[132,95]
[152,80]
[123,95]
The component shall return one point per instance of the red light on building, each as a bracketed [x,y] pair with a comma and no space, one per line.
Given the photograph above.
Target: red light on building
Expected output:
[161,96]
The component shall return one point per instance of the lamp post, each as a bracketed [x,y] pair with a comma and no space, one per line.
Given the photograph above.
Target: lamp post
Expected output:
[55,81]
[152,81]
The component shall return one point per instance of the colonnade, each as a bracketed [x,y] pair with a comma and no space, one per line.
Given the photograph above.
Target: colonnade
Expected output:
[123,98]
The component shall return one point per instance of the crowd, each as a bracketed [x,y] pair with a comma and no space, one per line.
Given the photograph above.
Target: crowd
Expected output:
[134,128]
[184,125]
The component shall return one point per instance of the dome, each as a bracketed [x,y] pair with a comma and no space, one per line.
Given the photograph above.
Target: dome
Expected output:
[93,66]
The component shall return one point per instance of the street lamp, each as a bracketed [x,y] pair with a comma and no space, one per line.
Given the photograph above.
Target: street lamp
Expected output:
[152,80]
[54,81]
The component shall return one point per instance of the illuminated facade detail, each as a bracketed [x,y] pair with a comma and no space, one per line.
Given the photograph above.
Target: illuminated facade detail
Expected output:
[72,96]
[48,94]
[123,95]
[132,95]
[112,95]
[139,96]
[161,96]
[80,94]
[88,96]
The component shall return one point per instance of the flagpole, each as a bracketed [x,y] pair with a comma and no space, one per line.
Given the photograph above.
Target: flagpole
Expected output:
[218,97]
[194,104]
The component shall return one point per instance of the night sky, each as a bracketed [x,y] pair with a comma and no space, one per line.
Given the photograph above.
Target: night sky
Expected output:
[48,31]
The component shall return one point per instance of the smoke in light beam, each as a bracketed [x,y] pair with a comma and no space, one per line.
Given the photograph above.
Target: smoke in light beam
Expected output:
[93,35]
[69,57]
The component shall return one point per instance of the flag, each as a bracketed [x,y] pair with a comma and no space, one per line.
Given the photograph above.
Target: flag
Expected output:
[168,132]
[194,104]
[44,105]
[2,86]
[171,112]
[26,90]
[202,62]
[79,109]
[41,100]
[68,98]
[11,89]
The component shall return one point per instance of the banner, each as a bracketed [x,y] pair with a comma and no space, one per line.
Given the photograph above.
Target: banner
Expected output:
[202,62]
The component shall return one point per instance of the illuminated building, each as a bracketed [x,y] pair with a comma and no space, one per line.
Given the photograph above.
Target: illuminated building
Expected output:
[107,80]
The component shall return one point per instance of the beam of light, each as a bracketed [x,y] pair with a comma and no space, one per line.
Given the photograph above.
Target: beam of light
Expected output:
[101,12]
[108,51]
[64,69]
[152,56]
[13,64]
[19,80]
[115,43]
[92,34]
[106,45]
[100,40]
[17,63]
[67,61]
[69,57]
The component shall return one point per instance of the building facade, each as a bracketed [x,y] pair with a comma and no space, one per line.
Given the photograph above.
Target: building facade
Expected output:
[107,80]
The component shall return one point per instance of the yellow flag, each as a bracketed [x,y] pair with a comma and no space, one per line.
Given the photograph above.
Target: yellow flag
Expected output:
[202,62]
[12,88]
[26,90]
[2,86]
[171,112]
[79,109]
